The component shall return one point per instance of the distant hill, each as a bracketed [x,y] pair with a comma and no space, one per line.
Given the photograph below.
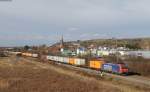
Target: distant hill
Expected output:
[134,43]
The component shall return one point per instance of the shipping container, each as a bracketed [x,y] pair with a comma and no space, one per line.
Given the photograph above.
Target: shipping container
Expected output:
[35,55]
[72,61]
[66,60]
[96,64]
[27,54]
[23,54]
[52,58]
[107,67]
[30,54]
[60,59]
[48,57]
[79,62]
[15,53]
[55,58]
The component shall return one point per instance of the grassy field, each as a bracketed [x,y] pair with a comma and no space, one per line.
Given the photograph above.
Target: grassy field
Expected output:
[17,75]
[26,77]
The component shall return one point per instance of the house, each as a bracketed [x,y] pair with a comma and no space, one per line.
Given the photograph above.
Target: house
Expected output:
[81,51]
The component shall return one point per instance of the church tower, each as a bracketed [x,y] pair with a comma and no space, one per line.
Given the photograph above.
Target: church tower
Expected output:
[62,42]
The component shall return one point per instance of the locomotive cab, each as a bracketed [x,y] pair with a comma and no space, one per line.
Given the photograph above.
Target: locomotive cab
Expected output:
[123,69]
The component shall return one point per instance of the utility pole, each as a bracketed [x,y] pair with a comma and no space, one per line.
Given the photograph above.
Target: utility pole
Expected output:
[117,49]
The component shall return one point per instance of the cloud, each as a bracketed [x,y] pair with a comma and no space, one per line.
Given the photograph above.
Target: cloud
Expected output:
[73,29]
[75,19]
[28,37]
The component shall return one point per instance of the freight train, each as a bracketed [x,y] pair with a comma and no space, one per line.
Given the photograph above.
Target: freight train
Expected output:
[98,64]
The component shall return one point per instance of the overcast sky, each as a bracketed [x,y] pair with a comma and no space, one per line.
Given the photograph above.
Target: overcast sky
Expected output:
[44,21]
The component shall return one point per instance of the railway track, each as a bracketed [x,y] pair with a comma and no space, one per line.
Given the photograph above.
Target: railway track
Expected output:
[142,81]
[133,80]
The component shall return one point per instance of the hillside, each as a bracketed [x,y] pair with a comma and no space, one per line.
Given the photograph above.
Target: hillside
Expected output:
[137,43]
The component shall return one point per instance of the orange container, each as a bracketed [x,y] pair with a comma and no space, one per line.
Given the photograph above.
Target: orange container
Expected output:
[96,64]
[23,54]
[72,61]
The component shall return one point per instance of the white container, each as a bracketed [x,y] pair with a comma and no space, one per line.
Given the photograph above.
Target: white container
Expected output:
[79,62]
[15,53]
[55,58]
[51,58]
[35,55]
[48,57]
[66,60]
[60,59]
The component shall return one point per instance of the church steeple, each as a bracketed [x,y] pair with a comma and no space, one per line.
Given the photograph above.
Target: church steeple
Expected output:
[62,42]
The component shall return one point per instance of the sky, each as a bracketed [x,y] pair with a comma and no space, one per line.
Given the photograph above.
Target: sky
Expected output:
[35,22]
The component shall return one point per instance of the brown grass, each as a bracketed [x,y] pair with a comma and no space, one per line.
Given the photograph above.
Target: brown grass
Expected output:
[28,77]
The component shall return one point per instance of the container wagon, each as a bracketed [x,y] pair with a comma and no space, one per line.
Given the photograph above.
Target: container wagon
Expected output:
[96,64]
[35,55]
[66,60]
[72,61]
[79,62]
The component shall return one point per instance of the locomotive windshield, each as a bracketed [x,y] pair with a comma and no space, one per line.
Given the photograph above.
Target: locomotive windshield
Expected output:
[124,66]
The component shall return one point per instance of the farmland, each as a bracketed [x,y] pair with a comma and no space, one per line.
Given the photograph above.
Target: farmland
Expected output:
[18,75]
